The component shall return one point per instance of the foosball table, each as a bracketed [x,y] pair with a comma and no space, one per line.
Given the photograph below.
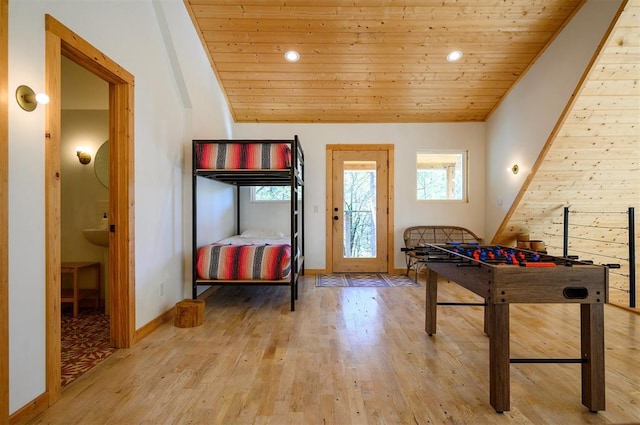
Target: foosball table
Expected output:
[502,276]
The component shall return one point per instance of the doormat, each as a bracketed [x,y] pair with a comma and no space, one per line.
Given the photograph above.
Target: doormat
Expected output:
[361,280]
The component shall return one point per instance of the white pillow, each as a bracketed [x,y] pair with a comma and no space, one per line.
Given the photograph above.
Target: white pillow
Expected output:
[261,233]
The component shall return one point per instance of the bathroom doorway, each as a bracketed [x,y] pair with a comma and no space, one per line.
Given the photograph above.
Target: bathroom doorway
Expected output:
[84,184]
[84,207]
[62,42]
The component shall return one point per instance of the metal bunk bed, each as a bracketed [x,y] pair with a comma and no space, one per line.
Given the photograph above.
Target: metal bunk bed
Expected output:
[291,174]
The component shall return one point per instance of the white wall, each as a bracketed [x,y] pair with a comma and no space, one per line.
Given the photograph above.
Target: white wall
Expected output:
[518,130]
[408,139]
[132,33]
[194,79]
[215,219]
[208,117]
[26,214]
[266,215]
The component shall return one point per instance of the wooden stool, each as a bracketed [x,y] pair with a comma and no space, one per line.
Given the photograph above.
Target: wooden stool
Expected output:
[189,313]
[74,295]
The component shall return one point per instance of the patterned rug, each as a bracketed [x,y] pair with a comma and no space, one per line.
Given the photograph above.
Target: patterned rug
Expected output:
[364,280]
[85,343]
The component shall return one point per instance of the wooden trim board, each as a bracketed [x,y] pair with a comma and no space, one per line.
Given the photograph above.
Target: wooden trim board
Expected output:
[4,213]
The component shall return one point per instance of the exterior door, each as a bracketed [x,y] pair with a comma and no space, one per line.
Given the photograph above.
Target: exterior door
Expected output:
[359,211]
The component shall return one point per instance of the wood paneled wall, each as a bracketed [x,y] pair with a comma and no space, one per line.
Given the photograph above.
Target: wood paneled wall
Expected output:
[592,163]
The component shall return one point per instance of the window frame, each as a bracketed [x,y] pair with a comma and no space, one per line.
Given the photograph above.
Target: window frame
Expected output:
[464,173]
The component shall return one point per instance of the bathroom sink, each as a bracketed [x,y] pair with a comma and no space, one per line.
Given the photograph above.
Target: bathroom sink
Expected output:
[97,236]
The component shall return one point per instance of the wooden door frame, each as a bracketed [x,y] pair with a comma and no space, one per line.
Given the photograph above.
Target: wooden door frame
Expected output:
[61,41]
[4,213]
[329,199]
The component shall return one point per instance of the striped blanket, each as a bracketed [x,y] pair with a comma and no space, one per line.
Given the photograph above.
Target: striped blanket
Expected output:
[244,262]
[243,156]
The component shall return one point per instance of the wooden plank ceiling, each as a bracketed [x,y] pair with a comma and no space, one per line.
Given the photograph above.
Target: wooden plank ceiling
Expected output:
[370,61]
[592,164]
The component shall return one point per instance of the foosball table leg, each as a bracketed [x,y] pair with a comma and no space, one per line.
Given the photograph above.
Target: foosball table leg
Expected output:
[592,346]
[499,363]
[431,303]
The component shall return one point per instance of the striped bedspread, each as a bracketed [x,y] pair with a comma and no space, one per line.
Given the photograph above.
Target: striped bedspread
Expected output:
[243,156]
[244,262]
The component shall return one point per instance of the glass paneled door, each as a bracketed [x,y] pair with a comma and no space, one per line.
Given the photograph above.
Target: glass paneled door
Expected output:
[359,211]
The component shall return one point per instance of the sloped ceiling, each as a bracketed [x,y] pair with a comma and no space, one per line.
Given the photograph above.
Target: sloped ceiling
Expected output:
[372,61]
[592,164]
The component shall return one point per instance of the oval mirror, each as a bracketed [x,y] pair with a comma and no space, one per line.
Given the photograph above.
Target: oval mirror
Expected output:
[101,164]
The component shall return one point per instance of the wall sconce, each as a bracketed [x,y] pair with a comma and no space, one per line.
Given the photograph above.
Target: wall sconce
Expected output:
[515,169]
[28,99]
[83,156]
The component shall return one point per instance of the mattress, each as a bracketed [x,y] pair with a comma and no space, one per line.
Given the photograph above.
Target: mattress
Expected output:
[243,156]
[245,258]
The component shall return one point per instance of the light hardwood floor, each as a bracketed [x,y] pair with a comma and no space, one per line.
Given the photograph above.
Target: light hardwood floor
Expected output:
[351,356]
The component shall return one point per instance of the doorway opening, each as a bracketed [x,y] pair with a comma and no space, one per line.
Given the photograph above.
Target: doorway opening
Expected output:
[359,208]
[61,41]
[84,186]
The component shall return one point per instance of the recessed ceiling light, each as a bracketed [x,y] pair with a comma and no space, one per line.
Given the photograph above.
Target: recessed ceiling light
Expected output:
[454,56]
[292,56]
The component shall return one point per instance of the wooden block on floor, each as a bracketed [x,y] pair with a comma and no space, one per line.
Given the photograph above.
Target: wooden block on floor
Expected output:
[189,313]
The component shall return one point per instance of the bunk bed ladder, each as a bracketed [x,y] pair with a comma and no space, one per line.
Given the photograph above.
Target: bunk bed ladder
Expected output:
[194,242]
[297,219]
